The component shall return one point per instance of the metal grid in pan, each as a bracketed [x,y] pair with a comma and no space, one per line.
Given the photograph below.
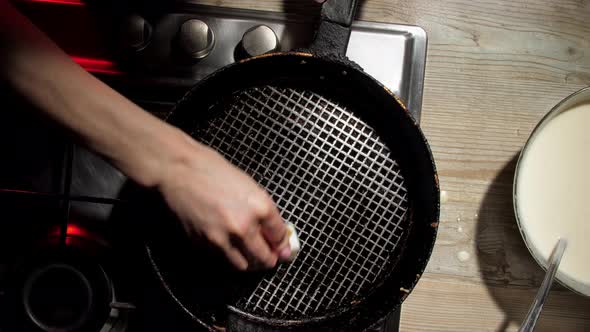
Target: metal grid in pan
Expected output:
[330,175]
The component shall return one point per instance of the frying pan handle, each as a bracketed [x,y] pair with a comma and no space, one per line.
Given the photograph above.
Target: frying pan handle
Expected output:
[333,30]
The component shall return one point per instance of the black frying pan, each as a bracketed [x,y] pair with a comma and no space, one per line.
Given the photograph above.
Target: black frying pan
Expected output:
[344,161]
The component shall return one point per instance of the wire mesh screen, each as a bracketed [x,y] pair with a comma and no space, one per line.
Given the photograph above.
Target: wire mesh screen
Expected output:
[331,176]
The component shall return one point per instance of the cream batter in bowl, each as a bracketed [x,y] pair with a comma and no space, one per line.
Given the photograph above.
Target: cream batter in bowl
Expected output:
[552,189]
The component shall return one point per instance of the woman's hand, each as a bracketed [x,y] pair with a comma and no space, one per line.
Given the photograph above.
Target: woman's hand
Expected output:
[209,195]
[217,201]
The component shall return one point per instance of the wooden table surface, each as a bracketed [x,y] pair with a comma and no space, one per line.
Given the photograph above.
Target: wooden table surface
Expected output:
[494,68]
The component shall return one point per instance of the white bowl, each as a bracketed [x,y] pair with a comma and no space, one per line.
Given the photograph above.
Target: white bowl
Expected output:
[583,288]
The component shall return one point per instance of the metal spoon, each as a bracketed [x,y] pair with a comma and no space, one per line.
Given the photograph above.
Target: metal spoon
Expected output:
[531,319]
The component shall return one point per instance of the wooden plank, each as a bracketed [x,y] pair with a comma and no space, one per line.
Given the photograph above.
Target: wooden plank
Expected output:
[439,304]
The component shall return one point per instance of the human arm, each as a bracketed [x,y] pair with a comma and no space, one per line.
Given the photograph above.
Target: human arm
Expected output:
[209,195]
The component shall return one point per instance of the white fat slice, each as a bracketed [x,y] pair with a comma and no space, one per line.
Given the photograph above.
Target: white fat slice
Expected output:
[294,243]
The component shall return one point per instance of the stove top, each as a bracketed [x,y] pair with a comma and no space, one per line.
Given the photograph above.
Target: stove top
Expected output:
[61,201]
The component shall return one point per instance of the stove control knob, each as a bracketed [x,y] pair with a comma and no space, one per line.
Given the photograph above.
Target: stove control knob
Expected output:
[259,40]
[195,39]
[136,33]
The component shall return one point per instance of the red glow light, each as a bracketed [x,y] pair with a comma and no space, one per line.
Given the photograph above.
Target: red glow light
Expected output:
[76,235]
[100,66]
[73,230]
[61,2]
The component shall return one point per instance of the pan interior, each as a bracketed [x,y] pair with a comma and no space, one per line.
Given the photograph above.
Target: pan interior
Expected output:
[333,177]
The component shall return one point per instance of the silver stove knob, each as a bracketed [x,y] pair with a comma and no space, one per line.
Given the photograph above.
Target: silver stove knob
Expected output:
[136,33]
[259,40]
[195,39]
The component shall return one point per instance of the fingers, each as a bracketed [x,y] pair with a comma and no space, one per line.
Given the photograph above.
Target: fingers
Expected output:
[244,232]
[251,238]
[275,232]
[259,253]
[215,199]
[232,253]
[236,258]
[273,227]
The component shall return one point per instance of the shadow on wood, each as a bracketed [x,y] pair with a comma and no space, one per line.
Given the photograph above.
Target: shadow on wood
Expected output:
[509,271]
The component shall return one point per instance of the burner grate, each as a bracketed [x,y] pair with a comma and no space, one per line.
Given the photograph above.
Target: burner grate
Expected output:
[330,175]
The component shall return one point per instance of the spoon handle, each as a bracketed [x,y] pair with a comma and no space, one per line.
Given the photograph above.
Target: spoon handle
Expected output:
[531,319]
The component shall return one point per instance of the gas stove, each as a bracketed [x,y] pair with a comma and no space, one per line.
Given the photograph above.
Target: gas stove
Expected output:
[66,258]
